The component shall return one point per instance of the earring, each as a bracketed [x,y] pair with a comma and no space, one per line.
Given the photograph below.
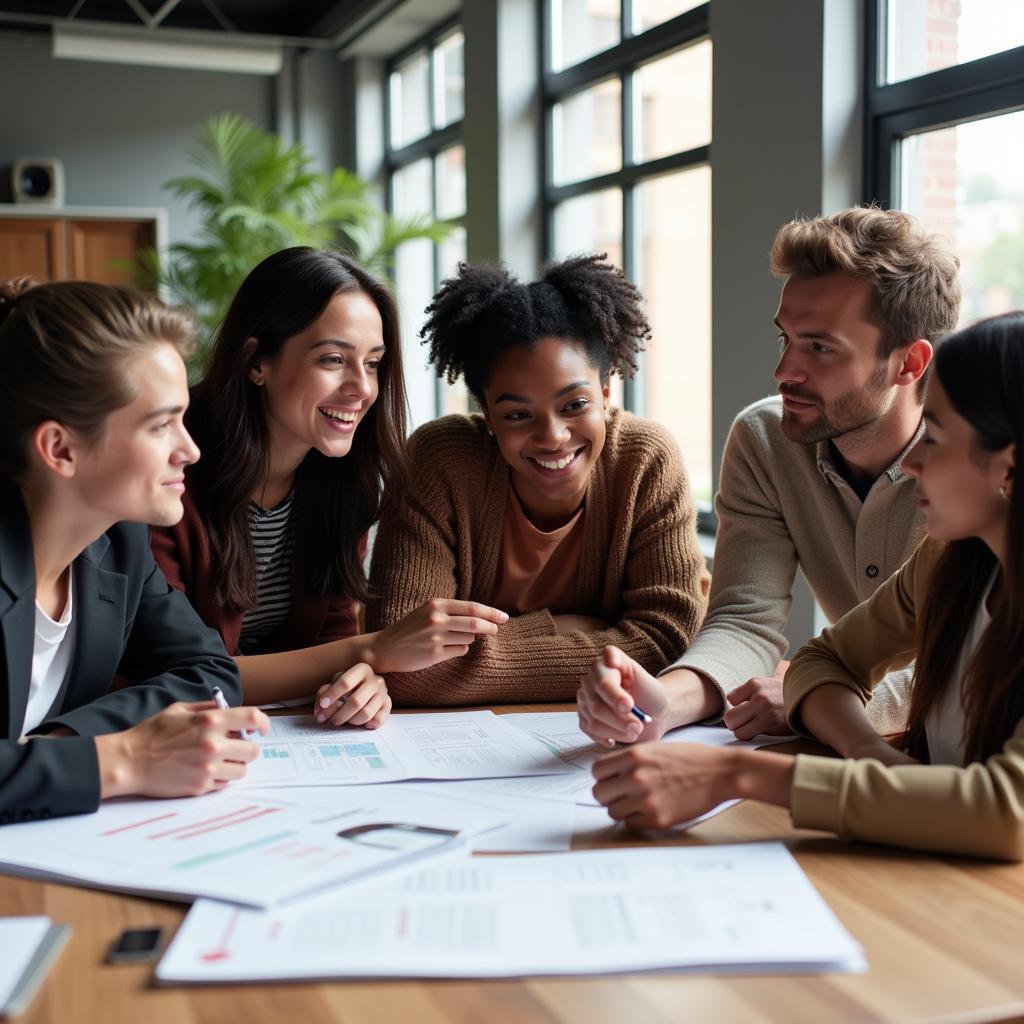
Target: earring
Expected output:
[1004,493]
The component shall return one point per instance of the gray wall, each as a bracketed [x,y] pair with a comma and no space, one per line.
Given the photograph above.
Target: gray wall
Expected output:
[120,130]
[786,99]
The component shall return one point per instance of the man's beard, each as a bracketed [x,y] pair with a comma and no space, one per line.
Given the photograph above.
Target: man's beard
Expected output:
[847,413]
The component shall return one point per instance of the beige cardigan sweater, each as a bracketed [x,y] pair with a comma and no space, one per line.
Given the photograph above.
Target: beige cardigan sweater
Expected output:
[640,568]
[976,810]
[783,505]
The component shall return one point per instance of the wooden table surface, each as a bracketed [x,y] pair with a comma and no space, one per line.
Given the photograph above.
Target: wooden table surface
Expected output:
[944,939]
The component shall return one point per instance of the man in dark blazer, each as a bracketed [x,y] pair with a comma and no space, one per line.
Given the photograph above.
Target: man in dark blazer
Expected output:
[129,623]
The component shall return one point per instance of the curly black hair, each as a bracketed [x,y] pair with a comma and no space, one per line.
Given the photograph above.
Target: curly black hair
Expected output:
[484,310]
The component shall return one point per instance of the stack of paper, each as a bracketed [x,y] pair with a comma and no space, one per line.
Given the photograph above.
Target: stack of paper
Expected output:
[259,847]
[730,908]
[312,827]
[28,946]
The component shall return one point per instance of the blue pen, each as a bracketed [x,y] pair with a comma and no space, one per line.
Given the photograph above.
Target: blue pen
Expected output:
[218,696]
[642,715]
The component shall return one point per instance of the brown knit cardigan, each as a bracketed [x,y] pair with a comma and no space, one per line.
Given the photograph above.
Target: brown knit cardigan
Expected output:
[640,568]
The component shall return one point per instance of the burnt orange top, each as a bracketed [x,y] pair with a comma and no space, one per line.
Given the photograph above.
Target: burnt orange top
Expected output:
[537,568]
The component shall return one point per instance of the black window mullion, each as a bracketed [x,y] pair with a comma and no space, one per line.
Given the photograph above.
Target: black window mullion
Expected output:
[429,147]
[677,33]
[985,87]
[631,390]
[631,175]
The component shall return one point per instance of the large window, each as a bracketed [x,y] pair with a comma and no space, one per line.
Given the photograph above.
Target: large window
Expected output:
[426,165]
[627,88]
[945,97]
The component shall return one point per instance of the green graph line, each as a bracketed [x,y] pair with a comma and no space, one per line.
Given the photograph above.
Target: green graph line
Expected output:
[205,858]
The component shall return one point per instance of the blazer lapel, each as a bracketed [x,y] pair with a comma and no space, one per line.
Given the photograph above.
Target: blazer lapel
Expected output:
[18,625]
[17,610]
[100,612]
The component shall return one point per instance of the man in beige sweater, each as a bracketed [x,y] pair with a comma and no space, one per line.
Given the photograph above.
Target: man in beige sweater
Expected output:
[811,478]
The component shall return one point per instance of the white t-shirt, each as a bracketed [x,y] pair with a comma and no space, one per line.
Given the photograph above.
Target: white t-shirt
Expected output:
[944,726]
[51,659]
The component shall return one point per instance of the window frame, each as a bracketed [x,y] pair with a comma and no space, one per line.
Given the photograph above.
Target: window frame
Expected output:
[619,61]
[985,87]
[429,147]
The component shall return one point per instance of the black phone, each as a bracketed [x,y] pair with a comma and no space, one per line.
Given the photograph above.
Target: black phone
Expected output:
[136,946]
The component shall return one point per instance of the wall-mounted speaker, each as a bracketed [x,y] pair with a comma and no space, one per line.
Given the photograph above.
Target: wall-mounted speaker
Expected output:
[38,180]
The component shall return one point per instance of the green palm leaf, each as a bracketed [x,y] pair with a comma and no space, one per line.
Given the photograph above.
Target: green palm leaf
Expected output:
[256,195]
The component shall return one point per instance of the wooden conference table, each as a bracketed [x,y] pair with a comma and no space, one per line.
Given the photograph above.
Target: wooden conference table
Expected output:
[944,939]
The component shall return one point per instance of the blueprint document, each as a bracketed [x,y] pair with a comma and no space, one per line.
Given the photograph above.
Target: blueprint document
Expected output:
[718,908]
[258,847]
[299,751]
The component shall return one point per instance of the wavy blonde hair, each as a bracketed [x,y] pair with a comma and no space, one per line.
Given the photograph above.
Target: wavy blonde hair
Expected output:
[914,274]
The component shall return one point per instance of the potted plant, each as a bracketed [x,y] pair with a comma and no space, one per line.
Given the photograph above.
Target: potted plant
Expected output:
[257,195]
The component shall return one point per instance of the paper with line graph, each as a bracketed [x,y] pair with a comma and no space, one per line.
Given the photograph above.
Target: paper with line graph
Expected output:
[259,848]
[299,751]
[743,908]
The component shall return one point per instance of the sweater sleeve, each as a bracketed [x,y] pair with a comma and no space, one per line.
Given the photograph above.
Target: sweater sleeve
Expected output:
[662,596]
[872,639]
[752,576]
[977,810]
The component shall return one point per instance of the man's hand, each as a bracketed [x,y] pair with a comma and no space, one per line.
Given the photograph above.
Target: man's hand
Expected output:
[614,685]
[185,750]
[758,707]
[356,697]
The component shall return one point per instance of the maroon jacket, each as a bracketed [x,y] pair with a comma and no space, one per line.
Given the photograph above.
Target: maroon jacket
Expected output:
[183,553]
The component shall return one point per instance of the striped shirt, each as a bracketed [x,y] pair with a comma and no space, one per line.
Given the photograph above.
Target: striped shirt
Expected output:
[273,541]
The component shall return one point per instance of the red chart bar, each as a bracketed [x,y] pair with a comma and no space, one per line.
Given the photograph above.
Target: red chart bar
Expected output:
[226,818]
[139,824]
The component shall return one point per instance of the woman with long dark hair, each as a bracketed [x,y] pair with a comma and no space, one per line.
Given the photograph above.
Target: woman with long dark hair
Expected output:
[301,418]
[954,782]
[99,653]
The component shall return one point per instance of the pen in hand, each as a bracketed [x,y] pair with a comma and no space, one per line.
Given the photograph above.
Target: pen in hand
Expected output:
[642,715]
[218,696]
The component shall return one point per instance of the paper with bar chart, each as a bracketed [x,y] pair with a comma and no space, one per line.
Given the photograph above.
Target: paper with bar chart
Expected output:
[259,848]
[299,751]
[747,907]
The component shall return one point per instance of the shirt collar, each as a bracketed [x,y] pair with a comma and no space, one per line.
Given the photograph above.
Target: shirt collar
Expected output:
[894,472]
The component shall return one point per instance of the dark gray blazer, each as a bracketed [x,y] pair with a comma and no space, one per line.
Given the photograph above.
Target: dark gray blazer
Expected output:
[129,622]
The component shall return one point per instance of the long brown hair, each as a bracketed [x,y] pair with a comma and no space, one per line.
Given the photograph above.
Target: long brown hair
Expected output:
[336,500]
[982,370]
[65,352]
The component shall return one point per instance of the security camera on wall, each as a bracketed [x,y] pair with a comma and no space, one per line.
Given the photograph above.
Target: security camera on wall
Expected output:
[38,180]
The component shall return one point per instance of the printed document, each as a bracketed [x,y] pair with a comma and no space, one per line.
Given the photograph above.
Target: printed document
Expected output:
[559,731]
[260,847]
[742,908]
[299,751]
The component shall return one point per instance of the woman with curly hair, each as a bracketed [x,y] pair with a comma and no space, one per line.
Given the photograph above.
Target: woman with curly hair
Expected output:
[573,517]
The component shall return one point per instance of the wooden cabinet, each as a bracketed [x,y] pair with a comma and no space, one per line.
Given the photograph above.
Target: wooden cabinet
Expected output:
[59,245]
[32,247]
